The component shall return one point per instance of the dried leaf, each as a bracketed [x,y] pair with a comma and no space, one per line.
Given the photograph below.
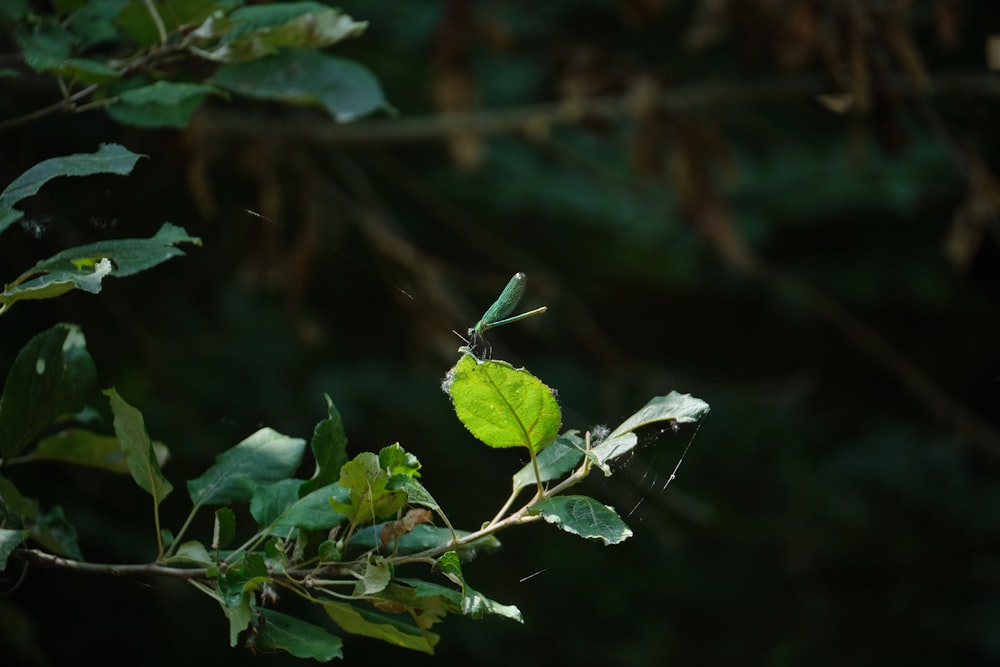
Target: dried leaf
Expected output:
[396,529]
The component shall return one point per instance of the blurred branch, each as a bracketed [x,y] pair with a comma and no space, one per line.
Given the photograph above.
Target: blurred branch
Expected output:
[717,226]
[539,119]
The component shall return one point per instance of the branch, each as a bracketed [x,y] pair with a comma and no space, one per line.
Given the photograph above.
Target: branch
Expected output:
[541,118]
[50,560]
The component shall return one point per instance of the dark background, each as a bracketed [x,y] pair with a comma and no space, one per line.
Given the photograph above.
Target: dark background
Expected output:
[826,280]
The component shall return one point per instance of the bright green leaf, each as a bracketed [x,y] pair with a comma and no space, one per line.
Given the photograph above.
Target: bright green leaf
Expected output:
[583,516]
[503,406]
[369,499]
[140,456]
[297,638]
[265,456]
[52,375]
[397,461]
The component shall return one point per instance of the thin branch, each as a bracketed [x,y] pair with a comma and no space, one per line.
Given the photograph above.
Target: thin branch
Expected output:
[536,120]
[44,559]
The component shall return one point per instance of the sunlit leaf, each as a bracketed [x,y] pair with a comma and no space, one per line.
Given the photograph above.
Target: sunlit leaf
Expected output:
[369,499]
[503,406]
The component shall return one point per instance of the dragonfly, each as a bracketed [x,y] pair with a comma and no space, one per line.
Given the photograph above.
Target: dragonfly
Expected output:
[499,313]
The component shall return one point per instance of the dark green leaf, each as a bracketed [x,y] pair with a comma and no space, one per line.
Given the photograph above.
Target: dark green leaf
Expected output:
[93,22]
[46,45]
[270,500]
[473,603]
[313,511]
[674,407]
[17,509]
[265,456]
[583,516]
[109,159]
[135,18]
[329,447]
[346,89]
[52,375]
[160,104]
[140,456]
[297,637]
[82,447]
[553,462]
[54,532]
[9,540]
[420,538]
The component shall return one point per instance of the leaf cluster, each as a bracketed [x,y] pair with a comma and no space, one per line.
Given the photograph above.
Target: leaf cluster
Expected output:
[338,539]
[152,64]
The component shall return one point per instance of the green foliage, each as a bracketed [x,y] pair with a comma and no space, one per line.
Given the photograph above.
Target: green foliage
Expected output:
[108,159]
[342,538]
[269,52]
[338,539]
[503,406]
